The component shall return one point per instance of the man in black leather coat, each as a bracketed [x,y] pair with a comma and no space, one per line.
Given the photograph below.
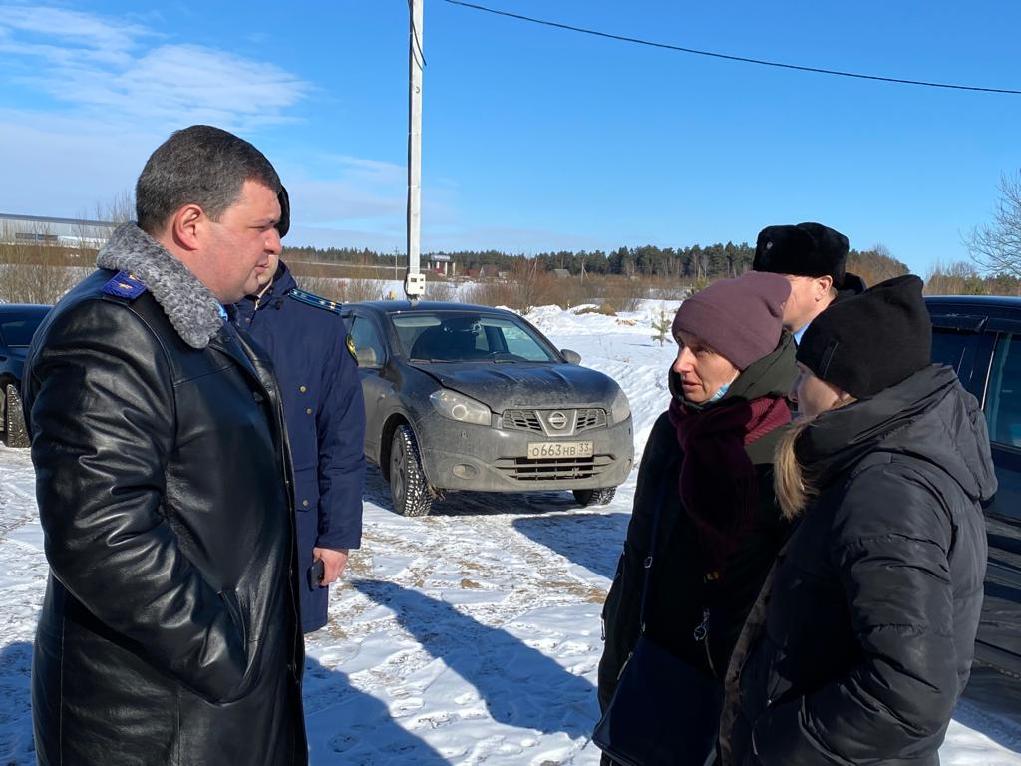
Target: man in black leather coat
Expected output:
[170,629]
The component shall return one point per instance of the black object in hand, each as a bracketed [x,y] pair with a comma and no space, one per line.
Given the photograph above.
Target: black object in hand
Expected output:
[316,574]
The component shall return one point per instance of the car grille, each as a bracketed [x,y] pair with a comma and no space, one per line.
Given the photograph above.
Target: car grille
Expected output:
[552,469]
[590,419]
[533,420]
[522,420]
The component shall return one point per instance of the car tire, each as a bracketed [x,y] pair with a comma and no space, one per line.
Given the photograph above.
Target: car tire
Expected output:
[587,497]
[408,486]
[15,434]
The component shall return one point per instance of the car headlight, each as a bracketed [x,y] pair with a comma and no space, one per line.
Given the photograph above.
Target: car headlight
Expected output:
[620,410]
[461,408]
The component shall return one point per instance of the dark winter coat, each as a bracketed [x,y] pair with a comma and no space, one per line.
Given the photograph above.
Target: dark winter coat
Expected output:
[859,649]
[169,631]
[679,595]
[852,285]
[325,417]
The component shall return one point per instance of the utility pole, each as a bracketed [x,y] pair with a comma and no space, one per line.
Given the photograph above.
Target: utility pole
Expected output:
[414,282]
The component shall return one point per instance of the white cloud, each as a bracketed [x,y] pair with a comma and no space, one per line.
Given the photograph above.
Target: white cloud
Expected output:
[115,89]
[70,27]
[372,171]
[107,67]
[121,87]
[65,166]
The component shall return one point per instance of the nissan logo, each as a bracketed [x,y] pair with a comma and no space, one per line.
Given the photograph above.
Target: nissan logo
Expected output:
[557,420]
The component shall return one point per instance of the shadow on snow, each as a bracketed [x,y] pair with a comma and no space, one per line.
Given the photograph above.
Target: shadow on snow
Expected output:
[590,540]
[358,727]
[377,492]
[519,685]
[16,745]
[346,725]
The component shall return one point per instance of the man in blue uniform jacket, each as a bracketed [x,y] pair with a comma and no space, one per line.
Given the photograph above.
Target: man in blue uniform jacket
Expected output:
[322,397]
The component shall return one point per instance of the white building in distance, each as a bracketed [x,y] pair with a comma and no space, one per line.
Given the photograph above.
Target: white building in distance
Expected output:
[62,232]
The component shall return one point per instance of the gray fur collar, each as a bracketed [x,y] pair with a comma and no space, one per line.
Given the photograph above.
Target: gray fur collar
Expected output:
[192,308]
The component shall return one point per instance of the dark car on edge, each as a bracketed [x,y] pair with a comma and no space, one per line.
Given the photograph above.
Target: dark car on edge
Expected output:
[980,337]
[461,397]
[18,323]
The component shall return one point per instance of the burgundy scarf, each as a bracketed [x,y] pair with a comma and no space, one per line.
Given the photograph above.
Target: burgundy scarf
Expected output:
[718,483]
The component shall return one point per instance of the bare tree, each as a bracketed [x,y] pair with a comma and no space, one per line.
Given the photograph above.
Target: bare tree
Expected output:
[33,271]
[996,247]
[119,209]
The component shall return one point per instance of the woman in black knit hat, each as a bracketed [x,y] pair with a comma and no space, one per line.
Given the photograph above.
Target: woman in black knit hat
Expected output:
[862,639]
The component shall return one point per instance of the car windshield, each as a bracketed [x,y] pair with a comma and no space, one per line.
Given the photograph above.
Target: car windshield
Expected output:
[18,330]
[462,336]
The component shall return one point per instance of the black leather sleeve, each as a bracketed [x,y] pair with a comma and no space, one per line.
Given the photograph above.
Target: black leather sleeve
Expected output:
[102,418]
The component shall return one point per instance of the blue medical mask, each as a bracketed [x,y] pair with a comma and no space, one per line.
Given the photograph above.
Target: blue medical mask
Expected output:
[721,392]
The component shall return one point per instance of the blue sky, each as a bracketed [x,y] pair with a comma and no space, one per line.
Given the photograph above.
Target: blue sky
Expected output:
[533,138]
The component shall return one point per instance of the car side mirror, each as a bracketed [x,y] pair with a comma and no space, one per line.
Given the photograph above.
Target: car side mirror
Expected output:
[571,357]
[366,357]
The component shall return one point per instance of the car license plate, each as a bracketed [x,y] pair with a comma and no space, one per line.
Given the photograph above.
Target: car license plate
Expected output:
[538,450]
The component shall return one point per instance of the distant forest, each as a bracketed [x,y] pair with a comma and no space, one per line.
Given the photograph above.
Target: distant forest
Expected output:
[690,264]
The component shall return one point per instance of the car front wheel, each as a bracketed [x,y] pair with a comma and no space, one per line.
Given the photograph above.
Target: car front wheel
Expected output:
[586,497]
[15,434]
[408,486]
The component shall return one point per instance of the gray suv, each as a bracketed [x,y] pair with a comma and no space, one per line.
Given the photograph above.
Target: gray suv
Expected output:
[472,398]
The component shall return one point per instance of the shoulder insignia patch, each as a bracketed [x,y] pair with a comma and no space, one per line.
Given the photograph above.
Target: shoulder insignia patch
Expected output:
[313,300]
[350,343]
[125,285]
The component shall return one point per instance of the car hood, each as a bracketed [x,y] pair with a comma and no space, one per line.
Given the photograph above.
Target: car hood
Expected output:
[536,386]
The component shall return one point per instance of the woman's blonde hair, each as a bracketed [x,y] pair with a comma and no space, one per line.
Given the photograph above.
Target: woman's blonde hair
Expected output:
[794,491]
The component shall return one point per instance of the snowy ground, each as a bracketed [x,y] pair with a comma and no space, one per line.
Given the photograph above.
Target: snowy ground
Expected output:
[467,637]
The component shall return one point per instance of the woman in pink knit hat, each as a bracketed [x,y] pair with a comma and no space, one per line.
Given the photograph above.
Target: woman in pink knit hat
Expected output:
[705,527]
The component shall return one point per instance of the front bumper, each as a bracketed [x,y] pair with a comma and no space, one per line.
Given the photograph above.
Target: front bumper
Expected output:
[465,456]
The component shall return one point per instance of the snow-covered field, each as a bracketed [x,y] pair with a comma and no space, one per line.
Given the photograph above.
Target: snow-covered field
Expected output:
[467,637]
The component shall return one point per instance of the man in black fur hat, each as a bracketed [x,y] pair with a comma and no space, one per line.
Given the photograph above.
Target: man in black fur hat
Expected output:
[813,257]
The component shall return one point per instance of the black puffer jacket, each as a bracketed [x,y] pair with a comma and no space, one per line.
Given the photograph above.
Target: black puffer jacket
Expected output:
[678,595]
[169,632]
[870,619]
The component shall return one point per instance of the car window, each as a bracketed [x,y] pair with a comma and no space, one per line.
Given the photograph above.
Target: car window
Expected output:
[520,344]
[468,336]
[967,351]
[951,346]
[1003,400]
[369,346]
[18,331]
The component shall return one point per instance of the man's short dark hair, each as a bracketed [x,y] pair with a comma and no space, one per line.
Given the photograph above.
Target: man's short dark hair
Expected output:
[202,165]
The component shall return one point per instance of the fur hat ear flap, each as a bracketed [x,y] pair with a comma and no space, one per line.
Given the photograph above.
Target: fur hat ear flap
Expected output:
[285,212]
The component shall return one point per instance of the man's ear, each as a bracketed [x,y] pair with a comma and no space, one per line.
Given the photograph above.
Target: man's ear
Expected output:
[187,226]
[825,284]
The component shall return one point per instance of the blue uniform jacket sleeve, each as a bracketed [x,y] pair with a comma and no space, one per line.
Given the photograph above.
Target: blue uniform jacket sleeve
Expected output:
[340,424]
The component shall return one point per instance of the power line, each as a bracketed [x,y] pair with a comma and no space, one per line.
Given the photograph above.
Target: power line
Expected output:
[420,55]
[727,57]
